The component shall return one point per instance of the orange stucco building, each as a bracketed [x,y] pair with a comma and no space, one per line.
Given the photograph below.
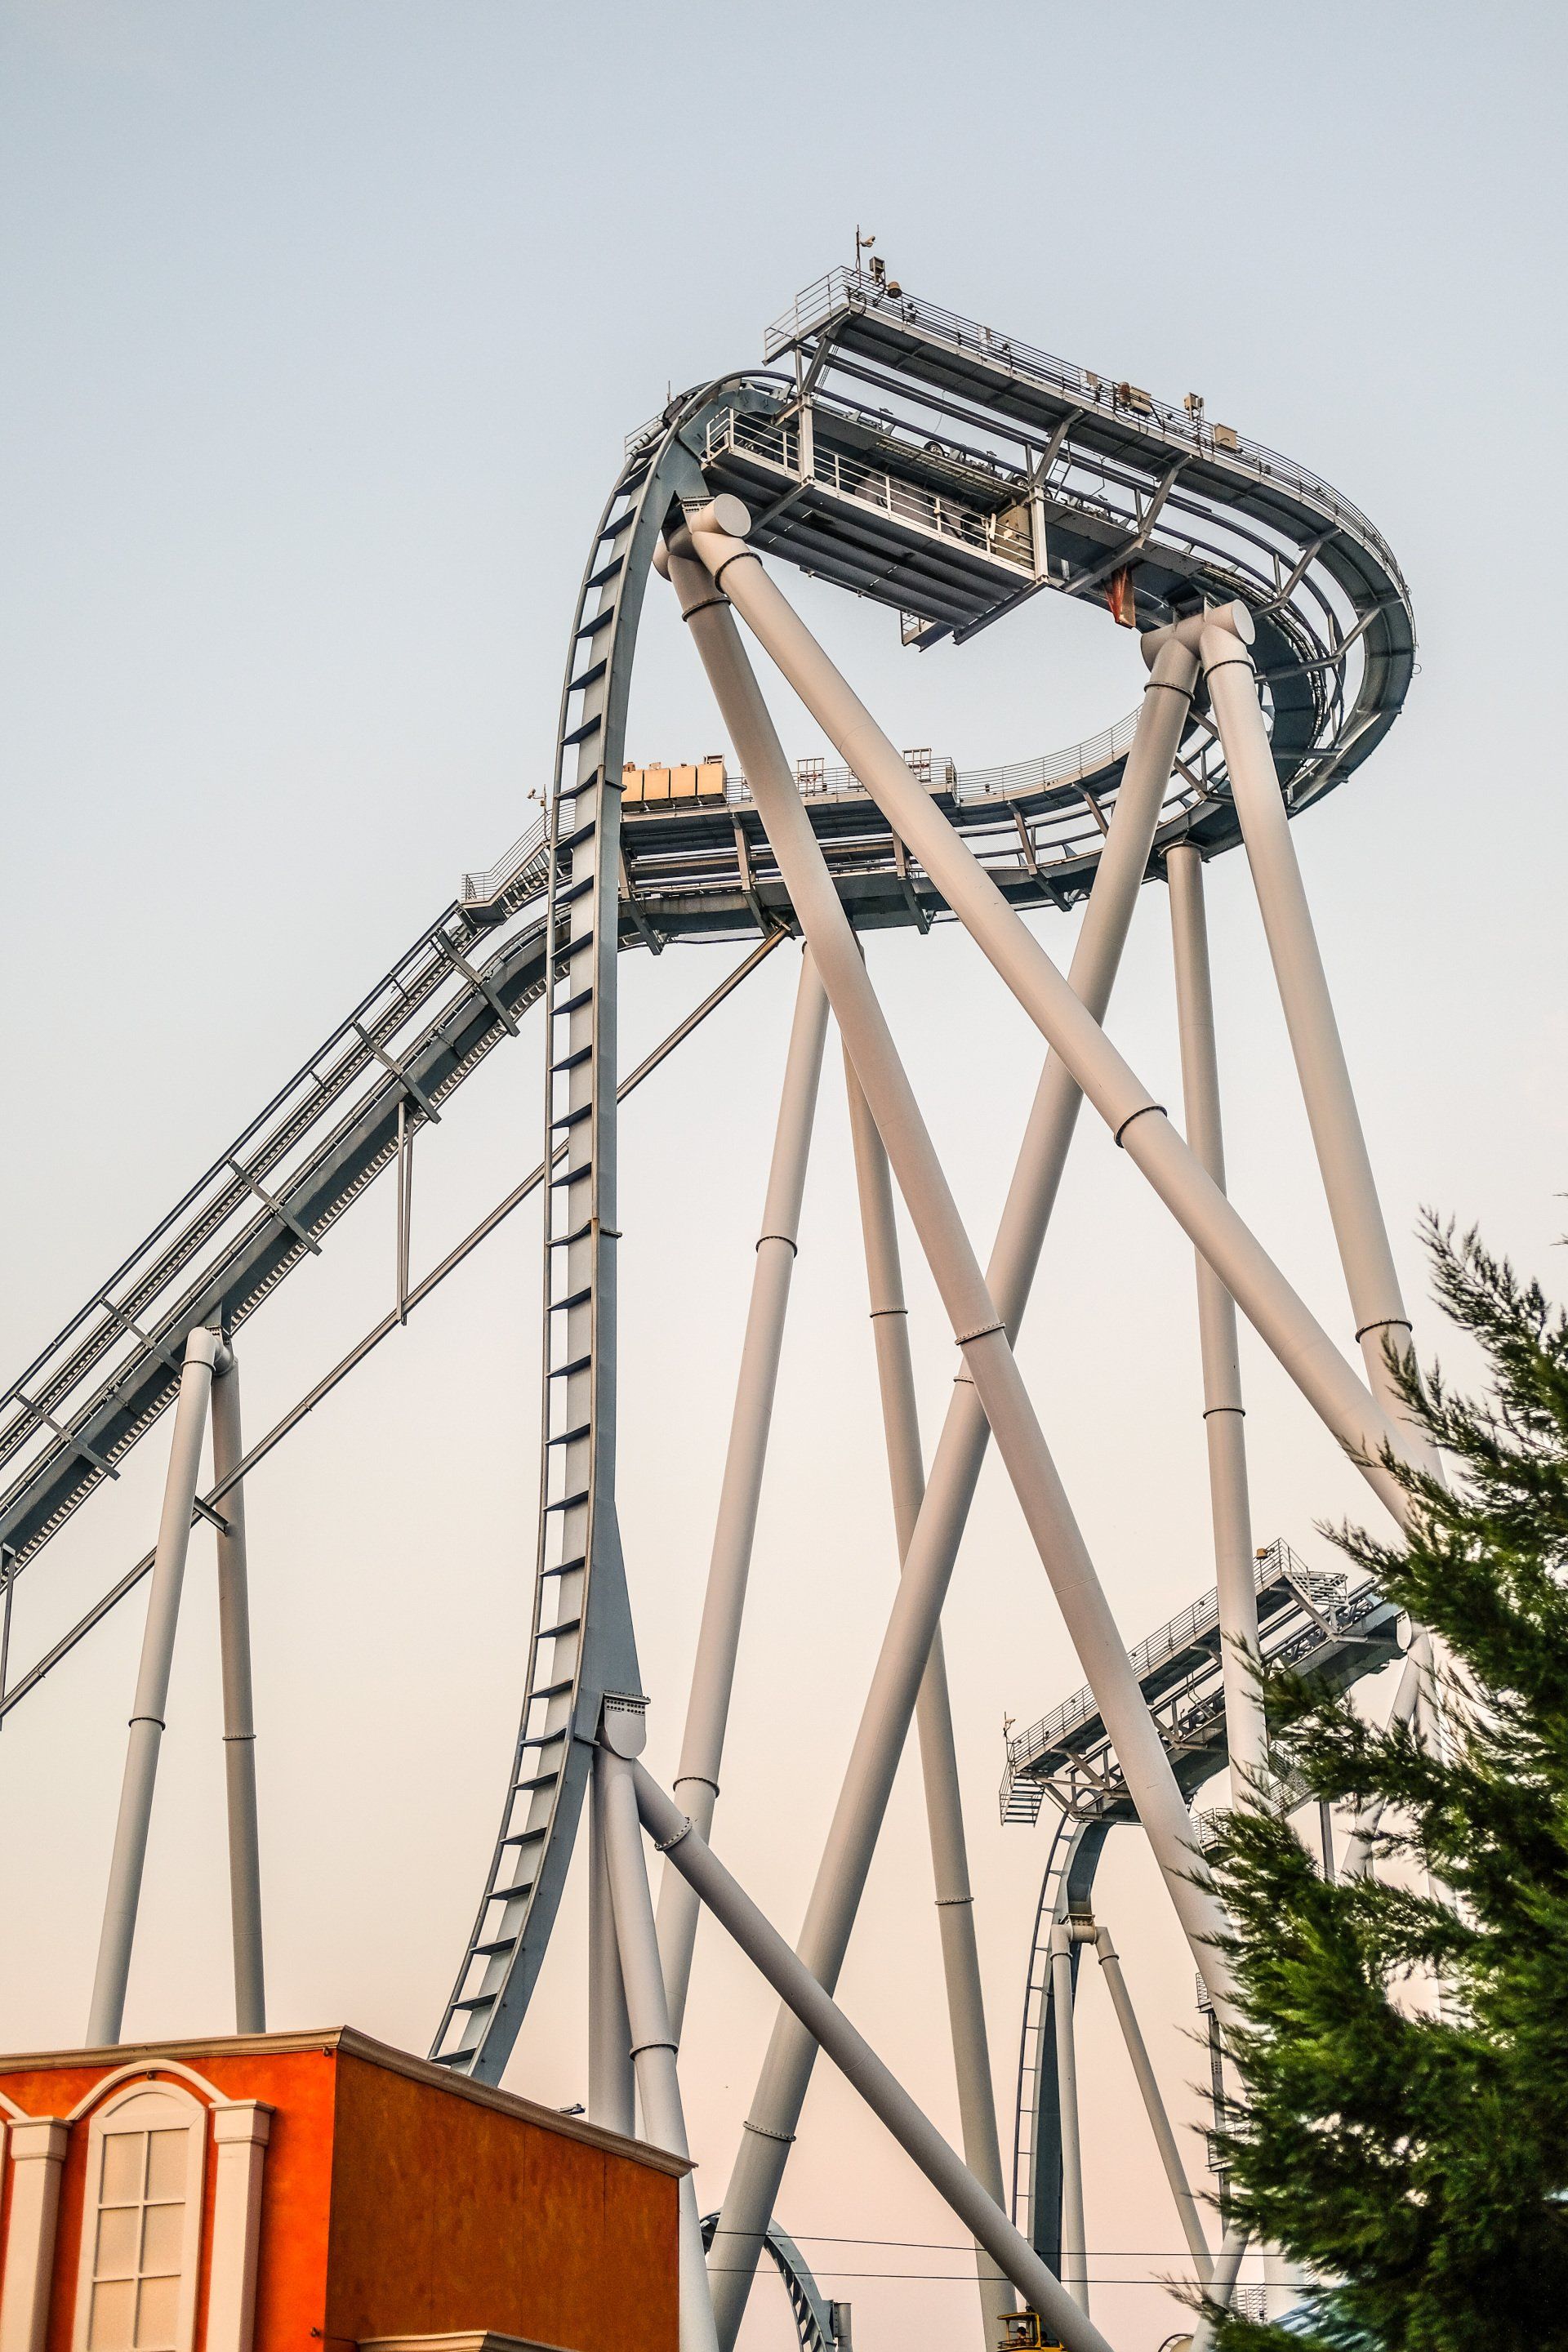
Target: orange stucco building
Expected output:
[301,2193]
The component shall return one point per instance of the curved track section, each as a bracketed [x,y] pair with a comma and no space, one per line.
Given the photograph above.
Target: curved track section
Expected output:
[1088,496]
[1067,1884]
[812,2318]
[267,1204]
[581,1646]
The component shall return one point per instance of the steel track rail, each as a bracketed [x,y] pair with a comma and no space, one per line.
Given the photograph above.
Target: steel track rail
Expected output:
[113,1379]
[581,1645]
[1336,644]
[420,1291]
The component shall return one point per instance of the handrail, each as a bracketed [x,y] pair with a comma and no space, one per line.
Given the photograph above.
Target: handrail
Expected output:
[479,890]
[393,1321]
[850,289]
[1167,1642]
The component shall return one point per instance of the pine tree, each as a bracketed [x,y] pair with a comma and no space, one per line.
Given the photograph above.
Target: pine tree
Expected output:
[1419,2161]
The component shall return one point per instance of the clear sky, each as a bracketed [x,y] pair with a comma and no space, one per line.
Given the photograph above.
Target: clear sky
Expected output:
[324,318]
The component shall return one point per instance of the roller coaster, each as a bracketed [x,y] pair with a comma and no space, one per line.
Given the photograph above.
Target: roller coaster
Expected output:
[949,472]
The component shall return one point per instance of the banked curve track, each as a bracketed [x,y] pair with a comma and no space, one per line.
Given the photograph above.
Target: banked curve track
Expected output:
[925,463]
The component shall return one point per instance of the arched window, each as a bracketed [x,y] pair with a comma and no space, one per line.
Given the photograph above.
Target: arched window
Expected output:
[140,2240]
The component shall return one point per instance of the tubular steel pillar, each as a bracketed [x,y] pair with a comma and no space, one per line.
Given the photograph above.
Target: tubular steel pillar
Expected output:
[828,2028]
[130,1853]
[933,1712]
[1220,2291]
[1074,2236]
[652,2039]
[719,1638]
[238,1711]
[1332,1113]
[917,1604]
[1155,2106]
[1135,1120]
[611,2099]
[1224,1413]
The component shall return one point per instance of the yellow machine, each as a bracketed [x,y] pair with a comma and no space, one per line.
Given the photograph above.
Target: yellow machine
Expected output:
[1021,2332]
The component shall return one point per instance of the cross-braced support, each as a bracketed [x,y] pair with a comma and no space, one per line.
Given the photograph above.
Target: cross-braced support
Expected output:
[831,2031]
[1137,1121]
[916,1606]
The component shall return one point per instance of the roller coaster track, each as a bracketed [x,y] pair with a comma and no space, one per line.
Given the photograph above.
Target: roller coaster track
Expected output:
[930,466]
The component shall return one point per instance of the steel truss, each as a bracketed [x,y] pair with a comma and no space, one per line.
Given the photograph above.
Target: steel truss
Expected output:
[951,474]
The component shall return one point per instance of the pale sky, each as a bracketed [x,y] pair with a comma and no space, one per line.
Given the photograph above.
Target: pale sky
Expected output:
[324,324]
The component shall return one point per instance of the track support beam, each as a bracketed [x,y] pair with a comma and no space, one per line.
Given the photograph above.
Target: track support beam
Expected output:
[130,1853]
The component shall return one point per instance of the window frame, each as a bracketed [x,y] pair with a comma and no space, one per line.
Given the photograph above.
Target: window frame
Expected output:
[170,2107]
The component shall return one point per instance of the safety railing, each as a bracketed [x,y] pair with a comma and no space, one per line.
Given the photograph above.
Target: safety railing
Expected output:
[853,289]
[480,890]
[818,778]
[1196,1624]
[644,436]
[928,509]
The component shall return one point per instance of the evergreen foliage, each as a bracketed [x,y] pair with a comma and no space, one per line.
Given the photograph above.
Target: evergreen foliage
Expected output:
[1419,2161]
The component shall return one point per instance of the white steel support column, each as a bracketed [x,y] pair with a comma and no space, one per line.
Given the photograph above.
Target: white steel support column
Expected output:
[917,1604]
[1224,1413]
[933,1712]
[611,2099]
[238,1711]
[1220,2291]
[1137,1122]
[1154,2107]
[130,1855]
[734,1531]
[1337,1138]
[1074,2245]
[652,2039]
[830,2029]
